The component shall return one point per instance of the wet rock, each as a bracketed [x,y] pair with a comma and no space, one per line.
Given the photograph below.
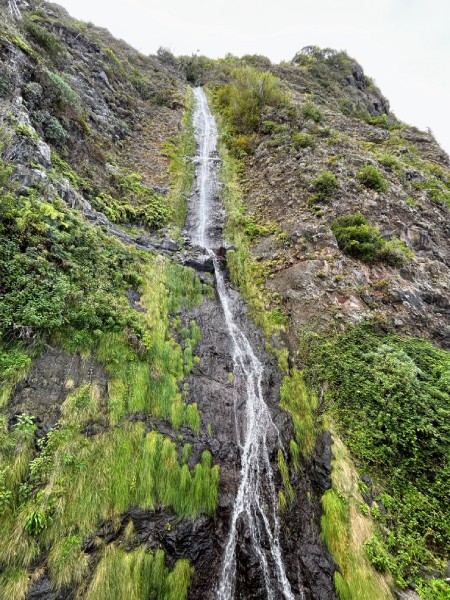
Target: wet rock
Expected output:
[201,262]
[170,245]
[321,463]
[407,595]
[51,377]
[42,588]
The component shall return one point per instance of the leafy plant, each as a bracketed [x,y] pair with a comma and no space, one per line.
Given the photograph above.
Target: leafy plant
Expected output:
[371,178]
[312,112]
[244,99]
[390,396]
[323,185]
[303,140]
[357,238]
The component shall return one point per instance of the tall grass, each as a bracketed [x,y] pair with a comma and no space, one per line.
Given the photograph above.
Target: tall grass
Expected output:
[345,529]
[14,583]
[302,404]
[94,480]
[181,166]
[138,575]
[148,379]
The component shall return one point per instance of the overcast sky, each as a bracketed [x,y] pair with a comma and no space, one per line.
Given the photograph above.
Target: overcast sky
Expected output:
[403,44]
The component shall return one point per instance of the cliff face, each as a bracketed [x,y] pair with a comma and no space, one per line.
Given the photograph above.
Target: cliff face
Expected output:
[341,123]
[118,399]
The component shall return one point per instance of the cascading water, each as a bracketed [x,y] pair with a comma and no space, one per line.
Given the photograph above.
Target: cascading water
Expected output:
[255,505]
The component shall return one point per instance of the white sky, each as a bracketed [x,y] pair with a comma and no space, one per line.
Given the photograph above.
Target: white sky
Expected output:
[403,44]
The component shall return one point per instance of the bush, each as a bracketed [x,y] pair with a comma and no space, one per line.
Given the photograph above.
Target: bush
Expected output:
[63,89]
[5,86]
[371,178]
[323,185]
[395,252]
[391,397]
[303,140]
[43,38]
[312,112]
[243,100]
[357,238]
[54,132]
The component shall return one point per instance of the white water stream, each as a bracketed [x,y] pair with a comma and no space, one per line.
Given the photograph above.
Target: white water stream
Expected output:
[256,500]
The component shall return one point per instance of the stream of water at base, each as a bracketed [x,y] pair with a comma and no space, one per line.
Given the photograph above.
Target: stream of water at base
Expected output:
[255,506]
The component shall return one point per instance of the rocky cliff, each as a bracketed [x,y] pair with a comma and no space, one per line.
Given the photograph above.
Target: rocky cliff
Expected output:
[120,462]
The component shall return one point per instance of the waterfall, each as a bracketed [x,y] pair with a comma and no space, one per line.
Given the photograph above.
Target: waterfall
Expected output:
[14,9]
[256,502]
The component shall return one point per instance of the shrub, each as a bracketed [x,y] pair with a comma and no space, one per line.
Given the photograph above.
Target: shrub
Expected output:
[43,38]
[381,121]
[395,252]
[388,161]
[303,140]
[391,397]
[64,90]
[312,112]
[323,185]
[357,238]
[244,99]
[371,178]
[5,86]
[54,132]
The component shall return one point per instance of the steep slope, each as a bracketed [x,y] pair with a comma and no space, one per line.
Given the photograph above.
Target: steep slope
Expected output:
[339,214]
[121,396]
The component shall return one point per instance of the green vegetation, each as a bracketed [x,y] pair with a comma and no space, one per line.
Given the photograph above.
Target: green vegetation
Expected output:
[303,140]
[371,178]
[138,575]
[323,185]
[357,238]
[48,286]
[345,529]
[312,112]
[390,399]
[243,100]
[138,203]
[63,502]
[249,275]
[50,43]
[181,167]
[302,404]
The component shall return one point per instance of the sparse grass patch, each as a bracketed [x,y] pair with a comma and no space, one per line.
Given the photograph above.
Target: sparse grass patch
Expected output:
[311,111]
[181,166]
